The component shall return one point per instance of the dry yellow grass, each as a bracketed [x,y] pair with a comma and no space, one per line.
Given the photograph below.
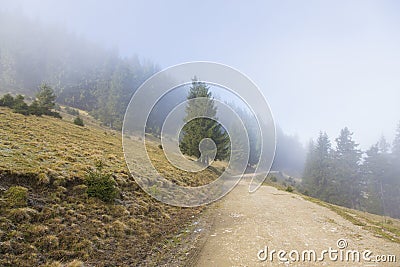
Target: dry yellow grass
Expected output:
[60,224]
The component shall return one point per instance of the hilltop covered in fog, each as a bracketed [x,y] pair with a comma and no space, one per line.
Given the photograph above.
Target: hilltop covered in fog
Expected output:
[83,74]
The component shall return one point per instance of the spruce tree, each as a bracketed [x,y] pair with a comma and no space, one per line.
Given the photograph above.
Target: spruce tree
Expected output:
[45,99]
[19,105]
[206,126]
[346,164]
[7,101]
[383,145]
[316,176]
[35,109]
[374,170]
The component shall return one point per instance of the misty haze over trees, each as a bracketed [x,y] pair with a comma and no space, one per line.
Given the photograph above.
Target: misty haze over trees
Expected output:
[88,77]
[82,74]
[85,76]
[346,176]
[125,127]
[289,156]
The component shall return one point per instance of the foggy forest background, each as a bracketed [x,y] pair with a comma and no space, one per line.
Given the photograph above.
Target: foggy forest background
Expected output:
[86,76]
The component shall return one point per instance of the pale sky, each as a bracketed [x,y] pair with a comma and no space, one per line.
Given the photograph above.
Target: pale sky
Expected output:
[322,65]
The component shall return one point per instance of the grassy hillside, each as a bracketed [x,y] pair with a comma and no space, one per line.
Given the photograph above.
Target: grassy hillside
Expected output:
[49,220]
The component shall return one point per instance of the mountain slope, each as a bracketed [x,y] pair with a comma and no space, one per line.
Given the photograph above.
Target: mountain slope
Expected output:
[58,223]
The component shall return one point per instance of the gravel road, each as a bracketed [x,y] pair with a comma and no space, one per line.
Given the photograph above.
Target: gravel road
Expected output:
[245,224]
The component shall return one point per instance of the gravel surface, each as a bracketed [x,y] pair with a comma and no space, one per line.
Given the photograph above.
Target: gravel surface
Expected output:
[242,224]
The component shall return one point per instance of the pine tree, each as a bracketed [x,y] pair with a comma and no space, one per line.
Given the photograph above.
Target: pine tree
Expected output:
[316,176]
[347,176]
[383,145]
[197,129]
[45,99]
[44,102]
[35,109]
[7,101]
[375,174]
[19,105]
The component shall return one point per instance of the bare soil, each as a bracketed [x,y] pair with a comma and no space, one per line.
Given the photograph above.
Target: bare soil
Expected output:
[243,223]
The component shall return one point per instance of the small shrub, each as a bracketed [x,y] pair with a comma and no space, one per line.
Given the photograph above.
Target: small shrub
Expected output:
[100,185]
[17,196]
[78,121]
[289,188]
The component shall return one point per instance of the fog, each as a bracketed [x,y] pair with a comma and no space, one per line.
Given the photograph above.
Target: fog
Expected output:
[321,66]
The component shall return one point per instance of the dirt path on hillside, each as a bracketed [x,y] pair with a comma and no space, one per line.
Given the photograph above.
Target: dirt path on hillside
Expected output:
[244,223]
